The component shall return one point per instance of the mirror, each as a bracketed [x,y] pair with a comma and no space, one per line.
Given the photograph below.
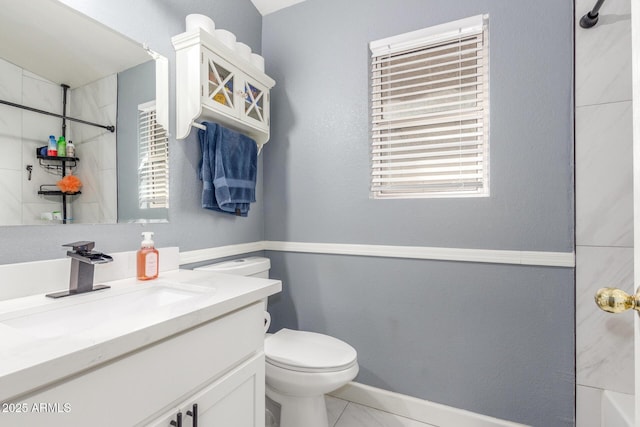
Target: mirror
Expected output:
[110,81]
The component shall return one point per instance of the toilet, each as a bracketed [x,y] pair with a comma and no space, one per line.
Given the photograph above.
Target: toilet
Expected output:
[301,367]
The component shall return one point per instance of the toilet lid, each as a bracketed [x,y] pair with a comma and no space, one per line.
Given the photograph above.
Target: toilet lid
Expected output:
[308,351]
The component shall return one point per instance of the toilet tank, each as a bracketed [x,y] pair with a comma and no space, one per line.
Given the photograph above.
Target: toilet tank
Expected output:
[250,266]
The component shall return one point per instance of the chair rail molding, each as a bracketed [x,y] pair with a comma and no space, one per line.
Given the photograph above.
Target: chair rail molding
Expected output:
[492,256]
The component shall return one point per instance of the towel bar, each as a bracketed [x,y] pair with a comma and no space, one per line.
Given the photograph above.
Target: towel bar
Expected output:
[201,126]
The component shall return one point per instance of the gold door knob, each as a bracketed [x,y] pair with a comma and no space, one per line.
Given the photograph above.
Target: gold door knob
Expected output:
[616,300]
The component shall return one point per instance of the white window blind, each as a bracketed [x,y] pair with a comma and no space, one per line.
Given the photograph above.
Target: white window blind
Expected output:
[430,112]
[153,172]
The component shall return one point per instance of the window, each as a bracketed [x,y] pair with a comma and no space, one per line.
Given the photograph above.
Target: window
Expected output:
[430,112]
[153,173]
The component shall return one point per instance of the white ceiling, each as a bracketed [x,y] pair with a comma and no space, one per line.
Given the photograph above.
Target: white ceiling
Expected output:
[266,7]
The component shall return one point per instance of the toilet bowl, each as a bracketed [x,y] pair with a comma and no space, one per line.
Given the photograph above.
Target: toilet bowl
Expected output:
[301,367]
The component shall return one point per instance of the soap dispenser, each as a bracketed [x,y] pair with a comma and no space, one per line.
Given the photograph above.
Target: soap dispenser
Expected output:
[147,258]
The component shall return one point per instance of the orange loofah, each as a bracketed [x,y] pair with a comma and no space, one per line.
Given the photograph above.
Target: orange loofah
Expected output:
[69,184]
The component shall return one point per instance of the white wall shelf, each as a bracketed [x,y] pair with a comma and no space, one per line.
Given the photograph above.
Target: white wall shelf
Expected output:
[214,83]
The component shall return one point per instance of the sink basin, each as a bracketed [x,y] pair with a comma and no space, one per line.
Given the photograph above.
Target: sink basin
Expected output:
[110,308]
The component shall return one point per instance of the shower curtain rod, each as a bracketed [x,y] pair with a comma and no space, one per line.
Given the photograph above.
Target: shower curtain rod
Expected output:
[591,18]
[35,110]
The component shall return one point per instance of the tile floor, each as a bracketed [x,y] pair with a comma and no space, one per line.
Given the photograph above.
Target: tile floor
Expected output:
[347,414]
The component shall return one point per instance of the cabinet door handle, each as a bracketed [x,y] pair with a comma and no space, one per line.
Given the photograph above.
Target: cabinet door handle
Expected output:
[178,421]
[194,413]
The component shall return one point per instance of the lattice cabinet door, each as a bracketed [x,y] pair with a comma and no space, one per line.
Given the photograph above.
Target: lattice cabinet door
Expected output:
[220,84]
[255,105]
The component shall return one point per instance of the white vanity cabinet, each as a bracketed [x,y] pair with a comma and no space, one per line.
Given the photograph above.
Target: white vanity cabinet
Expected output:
[236,399]
[214,83]
[218,365]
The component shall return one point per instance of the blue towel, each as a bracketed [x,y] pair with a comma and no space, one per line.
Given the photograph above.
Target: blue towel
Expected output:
[206,166]
[228,170]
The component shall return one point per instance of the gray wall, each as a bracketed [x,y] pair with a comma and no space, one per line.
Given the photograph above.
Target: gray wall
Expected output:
[190,227]
[494,339]
[317,51]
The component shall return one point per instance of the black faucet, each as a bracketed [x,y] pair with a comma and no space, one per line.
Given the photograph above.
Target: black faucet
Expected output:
[83,261]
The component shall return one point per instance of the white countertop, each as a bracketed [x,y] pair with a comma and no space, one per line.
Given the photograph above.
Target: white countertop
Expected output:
[30,358]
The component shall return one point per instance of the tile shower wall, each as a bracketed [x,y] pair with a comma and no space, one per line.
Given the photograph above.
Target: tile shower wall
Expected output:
[96,148]
[10,131]
[21,132]
[604,203]
[36,128]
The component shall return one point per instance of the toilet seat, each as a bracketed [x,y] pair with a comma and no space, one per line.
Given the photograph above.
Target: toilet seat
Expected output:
[304,351]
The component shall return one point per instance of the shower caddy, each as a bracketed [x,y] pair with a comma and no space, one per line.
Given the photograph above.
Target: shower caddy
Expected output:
[57,163]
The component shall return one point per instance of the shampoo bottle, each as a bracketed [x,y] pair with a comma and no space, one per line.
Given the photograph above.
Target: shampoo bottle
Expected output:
[62,147]
[52,149]
[148,259]
[71,149]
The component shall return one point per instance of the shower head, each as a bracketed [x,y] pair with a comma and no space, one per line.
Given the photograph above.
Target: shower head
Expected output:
[591,18]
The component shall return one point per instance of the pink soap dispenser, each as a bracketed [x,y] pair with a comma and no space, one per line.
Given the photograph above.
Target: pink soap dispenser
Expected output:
[148,259]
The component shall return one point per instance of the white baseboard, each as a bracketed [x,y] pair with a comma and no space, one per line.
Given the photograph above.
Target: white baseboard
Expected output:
[416,409]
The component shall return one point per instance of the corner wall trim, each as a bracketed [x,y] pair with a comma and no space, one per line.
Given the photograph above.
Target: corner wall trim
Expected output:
[416,409]
[189,257]
[535,258]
